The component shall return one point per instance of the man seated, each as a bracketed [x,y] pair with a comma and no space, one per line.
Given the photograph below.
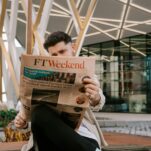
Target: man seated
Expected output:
[48,129]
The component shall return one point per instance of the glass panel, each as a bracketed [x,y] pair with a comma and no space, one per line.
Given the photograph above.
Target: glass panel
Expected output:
[126,76]
[107,48]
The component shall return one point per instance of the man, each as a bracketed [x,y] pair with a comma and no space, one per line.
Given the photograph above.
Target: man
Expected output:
[49,131]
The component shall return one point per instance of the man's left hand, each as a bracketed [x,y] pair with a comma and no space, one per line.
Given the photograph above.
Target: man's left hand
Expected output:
[92,90]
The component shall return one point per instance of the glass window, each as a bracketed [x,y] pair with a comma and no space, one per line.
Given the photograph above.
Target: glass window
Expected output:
[125,76]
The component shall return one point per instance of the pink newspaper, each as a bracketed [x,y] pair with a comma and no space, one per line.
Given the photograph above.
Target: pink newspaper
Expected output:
[57,82]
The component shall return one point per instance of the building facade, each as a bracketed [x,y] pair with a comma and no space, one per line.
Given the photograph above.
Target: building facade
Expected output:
[124,71]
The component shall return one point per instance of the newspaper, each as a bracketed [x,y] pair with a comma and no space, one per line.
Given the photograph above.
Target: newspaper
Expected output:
[56,81]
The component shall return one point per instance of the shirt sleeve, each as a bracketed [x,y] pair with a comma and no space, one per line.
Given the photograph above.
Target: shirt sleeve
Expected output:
[101,103]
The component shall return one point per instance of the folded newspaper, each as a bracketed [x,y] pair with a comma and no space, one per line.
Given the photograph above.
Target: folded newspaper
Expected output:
[56,81]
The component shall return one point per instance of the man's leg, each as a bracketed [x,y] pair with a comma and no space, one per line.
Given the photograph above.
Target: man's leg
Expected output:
[48,127]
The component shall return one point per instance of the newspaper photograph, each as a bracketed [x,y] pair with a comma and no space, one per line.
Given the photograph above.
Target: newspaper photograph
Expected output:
[57,82]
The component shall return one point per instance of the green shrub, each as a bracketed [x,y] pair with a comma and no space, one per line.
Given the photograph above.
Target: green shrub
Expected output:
[7,116]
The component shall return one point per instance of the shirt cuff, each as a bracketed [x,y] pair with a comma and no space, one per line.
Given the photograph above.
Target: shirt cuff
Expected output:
[100,105]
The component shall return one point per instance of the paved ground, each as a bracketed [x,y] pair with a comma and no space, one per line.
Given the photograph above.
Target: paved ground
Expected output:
[116,141]
[118,129]
[134,124]
[14,146]
[126,139]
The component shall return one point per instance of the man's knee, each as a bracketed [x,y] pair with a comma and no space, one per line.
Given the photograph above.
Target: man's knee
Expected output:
[38,115]
[41,114]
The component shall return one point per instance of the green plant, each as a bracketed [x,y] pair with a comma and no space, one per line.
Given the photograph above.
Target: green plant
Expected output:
[7,116]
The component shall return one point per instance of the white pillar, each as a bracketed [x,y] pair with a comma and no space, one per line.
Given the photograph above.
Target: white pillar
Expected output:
[114,76]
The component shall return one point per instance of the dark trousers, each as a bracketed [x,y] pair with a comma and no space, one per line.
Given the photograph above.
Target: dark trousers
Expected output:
[52,134]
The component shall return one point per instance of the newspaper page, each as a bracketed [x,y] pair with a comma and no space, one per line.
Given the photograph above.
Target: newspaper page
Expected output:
[56,81]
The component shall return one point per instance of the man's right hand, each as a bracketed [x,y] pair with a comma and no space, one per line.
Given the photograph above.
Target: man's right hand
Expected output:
[20,121]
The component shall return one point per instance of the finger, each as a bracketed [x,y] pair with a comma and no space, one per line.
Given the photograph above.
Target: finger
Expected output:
[20,118]
[90,96]
[93,95]
[85,77]
[87,94]
[87,81]
[92,87]
[90,81]
[23,119]
[91,92]
[19,122]
[18,125]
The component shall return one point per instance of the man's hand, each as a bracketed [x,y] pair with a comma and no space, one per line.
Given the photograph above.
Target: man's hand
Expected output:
[20,121]
[92,90]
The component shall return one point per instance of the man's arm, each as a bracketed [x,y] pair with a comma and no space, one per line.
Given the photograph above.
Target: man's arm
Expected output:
[20,120]
[94,92]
